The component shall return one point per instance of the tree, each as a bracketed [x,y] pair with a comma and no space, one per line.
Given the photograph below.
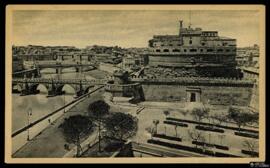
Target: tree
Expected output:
[196,136]
[166,113]
[175,128]
[199,113]
[219,118]
[151,131]
[75,128]
[221,137]
[98,110]
[121,126]
[156,122]
[251,146]
[242,116]
[184,112]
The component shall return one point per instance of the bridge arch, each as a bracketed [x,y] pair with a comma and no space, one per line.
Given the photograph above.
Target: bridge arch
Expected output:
[68,88]
[53,70]
[87,89]
[42,88]
[68,69]
[48,70]
[17,87]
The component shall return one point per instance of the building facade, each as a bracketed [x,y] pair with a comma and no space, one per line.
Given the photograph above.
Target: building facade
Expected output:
[194,48]
[248,56]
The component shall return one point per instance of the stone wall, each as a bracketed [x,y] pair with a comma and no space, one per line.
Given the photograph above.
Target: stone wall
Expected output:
[181,60]
[126,90]
[254,103]
[218,95]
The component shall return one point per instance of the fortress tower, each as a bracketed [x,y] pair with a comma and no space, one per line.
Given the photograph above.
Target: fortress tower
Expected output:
[194,49]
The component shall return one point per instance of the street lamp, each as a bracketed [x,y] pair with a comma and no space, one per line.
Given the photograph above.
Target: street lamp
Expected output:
[29,113]
[64,101]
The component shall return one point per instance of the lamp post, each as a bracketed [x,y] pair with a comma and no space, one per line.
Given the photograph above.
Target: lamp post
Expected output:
[64,101]
[29,113]
[99,135]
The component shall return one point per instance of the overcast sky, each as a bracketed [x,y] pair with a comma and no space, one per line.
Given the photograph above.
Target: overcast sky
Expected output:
[126,28]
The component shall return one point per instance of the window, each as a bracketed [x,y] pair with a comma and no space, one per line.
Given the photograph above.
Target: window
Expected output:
[203,44]
[176,50]
[165,50]
[185,50]
[193,97]
[201,50]
[210,50]
[190,41]
[157,50]
[162,44]
[170,45]
[227,50]
[193,50]
[137,62]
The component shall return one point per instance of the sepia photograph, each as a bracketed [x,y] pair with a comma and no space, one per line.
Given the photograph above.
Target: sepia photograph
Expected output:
[135,84]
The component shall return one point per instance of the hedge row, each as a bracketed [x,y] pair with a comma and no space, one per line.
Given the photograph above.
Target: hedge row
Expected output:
[210,145]
[208,124]
[199,127]
[167,137]
[191,149]
[175,123]
[252,153]
[244,134]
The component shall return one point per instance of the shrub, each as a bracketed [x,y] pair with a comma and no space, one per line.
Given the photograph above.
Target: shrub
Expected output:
[191,149]
[167,137]
[199,127]
[242,116]
[252,153]
[175,123]
[243,134]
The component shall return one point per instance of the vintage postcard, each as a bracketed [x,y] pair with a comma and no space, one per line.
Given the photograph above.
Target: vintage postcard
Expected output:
[135,84]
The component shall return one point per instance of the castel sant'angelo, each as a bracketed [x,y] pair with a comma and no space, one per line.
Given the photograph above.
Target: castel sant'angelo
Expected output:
[194,52]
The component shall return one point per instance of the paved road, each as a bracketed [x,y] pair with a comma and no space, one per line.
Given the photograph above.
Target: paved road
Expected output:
[50,143]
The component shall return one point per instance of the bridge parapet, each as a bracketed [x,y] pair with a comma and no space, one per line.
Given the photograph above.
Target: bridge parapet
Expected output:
[60,81]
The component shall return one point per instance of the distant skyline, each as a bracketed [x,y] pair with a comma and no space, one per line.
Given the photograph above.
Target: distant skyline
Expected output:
[126,28]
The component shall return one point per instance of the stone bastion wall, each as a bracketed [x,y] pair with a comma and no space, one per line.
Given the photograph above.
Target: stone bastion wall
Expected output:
[215,91]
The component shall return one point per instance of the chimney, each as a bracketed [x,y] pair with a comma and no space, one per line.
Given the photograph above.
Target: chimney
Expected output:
[180,26]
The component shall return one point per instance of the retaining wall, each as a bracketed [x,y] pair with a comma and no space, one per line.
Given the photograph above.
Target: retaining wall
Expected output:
[216,91]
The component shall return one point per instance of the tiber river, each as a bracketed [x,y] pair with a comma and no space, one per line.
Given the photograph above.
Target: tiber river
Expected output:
[39,104]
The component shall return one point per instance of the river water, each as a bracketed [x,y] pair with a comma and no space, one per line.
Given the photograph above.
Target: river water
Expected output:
[39,105]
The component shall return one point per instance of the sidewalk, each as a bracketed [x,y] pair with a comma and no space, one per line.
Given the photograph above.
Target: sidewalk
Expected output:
[50,143]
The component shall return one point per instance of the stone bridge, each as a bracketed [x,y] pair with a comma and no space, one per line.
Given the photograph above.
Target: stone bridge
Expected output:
[27,73]
[27,86]
[59,66]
